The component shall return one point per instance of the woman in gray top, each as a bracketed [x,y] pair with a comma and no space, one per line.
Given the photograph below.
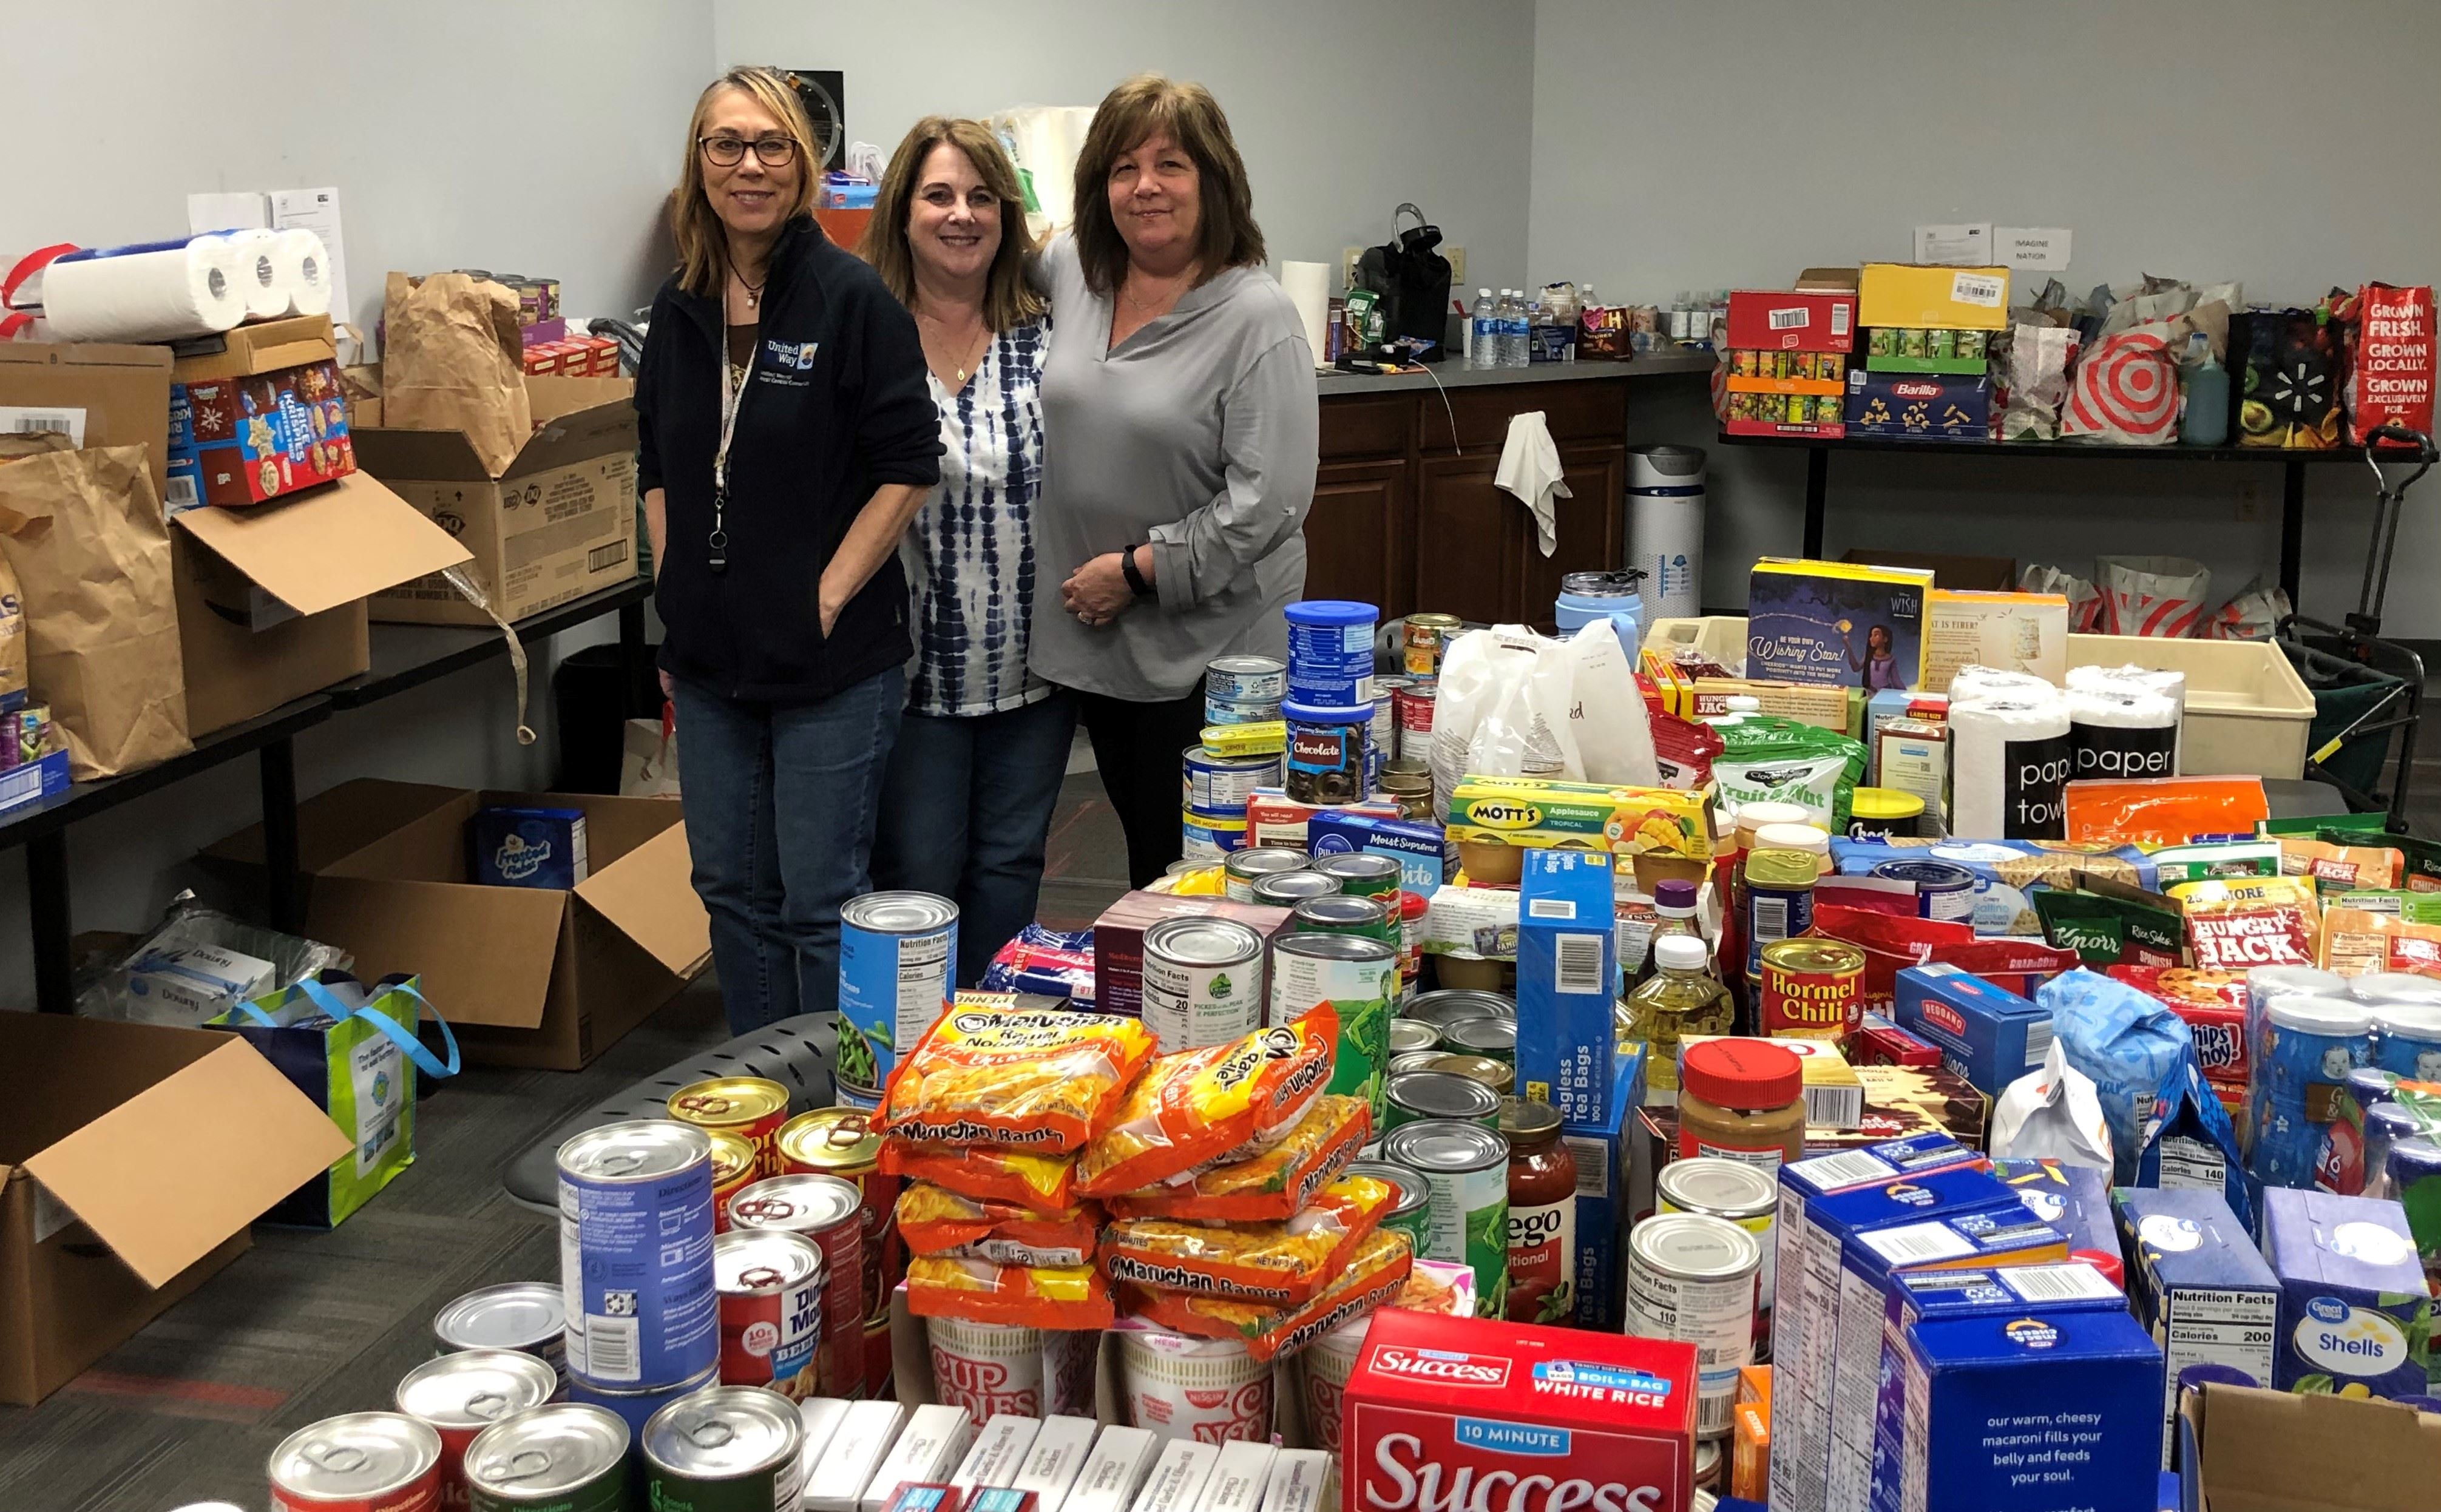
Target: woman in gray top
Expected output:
[1180,420]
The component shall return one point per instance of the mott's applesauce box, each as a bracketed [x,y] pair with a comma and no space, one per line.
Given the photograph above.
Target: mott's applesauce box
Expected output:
[1568,982]
[2195,1280]
[1459,1412]
[1988,1035]
[2356,1318]
[1539,815]
[2037,1412]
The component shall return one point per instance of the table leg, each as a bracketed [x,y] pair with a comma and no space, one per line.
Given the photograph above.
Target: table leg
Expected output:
[46,895]
[1817,488]
[634,664]
[2293,528]
[281,893]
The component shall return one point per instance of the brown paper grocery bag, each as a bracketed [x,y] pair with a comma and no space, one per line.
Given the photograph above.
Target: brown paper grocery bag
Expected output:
[453,358]
[84,533]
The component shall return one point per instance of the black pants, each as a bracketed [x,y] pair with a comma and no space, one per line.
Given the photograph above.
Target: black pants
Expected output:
[1138,747]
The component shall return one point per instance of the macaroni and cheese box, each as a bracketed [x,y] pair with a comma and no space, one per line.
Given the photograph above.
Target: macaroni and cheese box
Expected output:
[1835,624]
[528,846]
[1568,982]
[1987,1034]
[2045,1411]
[2195,1278]
[2356,1315]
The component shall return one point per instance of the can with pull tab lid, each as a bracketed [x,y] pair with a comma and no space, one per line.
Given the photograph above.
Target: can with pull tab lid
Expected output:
[635,1252]
[359,1462]
[459,1395]
[564,1457]
[732,1448]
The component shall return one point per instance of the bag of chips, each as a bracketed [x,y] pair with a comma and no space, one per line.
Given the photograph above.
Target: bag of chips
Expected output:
[936,1220]
[1039,1182]
[1374,1276]
[2356,942]
[1063,1297]
[2340,868]
[1197,1107]
[1042,1082]
[1276,1265]
[2240,934]
[1275,1184]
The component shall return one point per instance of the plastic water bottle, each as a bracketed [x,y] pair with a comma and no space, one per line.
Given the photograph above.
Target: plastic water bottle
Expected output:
[1512,331]
[1483,332]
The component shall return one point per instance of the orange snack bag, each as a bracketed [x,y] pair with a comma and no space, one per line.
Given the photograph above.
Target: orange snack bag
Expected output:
[1276,1265]
[2356,942]
[1041,1182]
[1044,1082]
[1372,1279]
[1275,1184]
[1200,1106]
[1065,1297]
[2239,936]
[2340,868]
[2159,811]
[936,1220]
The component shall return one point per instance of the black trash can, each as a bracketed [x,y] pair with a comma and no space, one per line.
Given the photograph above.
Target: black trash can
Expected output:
[591,704]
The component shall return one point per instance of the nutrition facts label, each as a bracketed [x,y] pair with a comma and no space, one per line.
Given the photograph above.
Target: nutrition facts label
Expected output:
[923,982]
[2210,1327]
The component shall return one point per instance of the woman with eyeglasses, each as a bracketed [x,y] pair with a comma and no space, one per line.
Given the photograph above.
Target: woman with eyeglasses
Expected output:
[786,438]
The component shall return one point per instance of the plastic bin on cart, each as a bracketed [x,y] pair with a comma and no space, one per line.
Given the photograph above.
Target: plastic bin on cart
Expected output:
[2248,711]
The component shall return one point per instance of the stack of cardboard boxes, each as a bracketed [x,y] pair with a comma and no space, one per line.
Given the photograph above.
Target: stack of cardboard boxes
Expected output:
[1787,362]
[1927,345]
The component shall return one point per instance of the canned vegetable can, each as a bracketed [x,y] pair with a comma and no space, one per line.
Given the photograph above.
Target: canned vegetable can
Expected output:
[1690,1278]
[1413,1097]
[1244,868]
[897,952]
[359,1460]
[459,1395]
[635,1239]
[1358,976]
[1425,639]
[1363,874]
[1409,1035]
[1448,1005]
[1500,1075]
[1492,1039]
[564,1457]
[1410,1210]
[732,1449]
[1467,1167]
[1202,983]
[1286,889]
[1339,913]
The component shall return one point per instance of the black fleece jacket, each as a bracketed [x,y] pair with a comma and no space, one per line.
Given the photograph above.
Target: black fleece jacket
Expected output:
[834,408]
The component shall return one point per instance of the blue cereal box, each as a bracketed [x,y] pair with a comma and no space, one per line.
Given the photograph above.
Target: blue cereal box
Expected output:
[2074,1200]
[2356,1318]
[1600,1153]
[1418,847]
[2195,1278]
[1988,1035]
[2039,1412]
[1568,982]
[1836,624]
[528,846]
[1918,407]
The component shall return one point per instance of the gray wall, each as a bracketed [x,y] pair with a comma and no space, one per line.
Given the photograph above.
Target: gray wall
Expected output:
[1735,142]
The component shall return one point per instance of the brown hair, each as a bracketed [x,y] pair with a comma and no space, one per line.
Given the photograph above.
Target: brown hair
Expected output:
[1146,106]
[1009,301]
[702,245]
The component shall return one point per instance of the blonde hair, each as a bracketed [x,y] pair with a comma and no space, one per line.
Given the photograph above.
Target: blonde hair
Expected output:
[1146,106]
[702,244]
[1009,301]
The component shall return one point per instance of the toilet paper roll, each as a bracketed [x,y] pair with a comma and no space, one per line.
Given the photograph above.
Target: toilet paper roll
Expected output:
[1308,286]
[2132,678]
[258,273]
[304,267]
[2124,730]
[1972,681]
[2010,763]
[162,295]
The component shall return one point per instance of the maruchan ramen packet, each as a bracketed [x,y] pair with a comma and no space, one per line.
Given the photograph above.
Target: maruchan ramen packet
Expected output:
[936,1220]
[2335,868]
[2356,942]
[1274,1265]
[1037,1182]
[1199,1107]
[1045,1083]
[2164,810]
[1275,1184]
[2241,934]
[2111,930]
[1374,1277]
[1064,1297]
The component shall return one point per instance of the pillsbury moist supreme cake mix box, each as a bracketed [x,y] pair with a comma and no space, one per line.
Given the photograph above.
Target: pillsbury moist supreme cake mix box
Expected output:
[2356,1318]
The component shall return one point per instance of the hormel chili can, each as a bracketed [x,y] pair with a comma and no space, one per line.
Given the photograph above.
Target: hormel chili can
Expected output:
[1444,1412]
[361,1462]
[459,1395]
[770,1284]
[830,1213]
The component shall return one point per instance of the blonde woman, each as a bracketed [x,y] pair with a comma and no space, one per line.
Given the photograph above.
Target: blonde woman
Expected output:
[786,437]
[967,800]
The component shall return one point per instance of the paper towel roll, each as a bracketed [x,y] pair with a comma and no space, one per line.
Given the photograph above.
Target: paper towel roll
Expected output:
[1308,286]
[2010,762]
[258,273]
[2132,678]
[162,296]
[2123,731]
[1972,681]
[304,265]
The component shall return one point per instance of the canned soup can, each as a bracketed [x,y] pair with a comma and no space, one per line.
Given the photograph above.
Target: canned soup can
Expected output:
[635,1243]
[732,1448]
[752,1107]
[1467,1167]
[735,1166]
[459,1395]
[897,952]
[1358,978]
[359,1462]
[827,1210]
[528,1316]
[1811,989]
[845,1142]
[770,1284]
[566,1457]
[1202,983]
[1690,1278]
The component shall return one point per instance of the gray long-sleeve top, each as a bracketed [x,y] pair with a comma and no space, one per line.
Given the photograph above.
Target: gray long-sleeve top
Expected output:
[1199,434]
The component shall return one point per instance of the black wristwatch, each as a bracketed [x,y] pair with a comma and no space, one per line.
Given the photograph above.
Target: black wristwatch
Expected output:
[1136,583]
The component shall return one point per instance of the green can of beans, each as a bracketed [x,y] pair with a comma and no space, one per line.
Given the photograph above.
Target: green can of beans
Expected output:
[562,1457]
[732,1449]
[1466,1167]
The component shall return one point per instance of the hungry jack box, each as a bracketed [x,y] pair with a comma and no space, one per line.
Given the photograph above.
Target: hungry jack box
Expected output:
[1464,1412]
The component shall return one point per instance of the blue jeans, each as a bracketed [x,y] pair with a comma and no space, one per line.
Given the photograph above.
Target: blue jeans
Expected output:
[964,810]
[780,801]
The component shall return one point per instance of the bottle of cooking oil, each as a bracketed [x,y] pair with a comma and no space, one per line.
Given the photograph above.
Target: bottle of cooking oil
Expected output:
[1682,997]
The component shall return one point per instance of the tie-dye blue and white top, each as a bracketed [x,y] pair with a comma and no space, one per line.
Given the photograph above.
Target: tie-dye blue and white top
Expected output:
[969,555]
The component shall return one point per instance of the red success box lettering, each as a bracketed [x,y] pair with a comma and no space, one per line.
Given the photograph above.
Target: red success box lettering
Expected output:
[1469,1414]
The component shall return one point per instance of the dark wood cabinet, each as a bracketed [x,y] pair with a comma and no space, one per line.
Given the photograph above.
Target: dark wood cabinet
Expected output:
[1351,536]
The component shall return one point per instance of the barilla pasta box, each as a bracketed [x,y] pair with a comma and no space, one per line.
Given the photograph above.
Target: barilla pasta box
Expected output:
[2195,1279]
[1418,848]
[2356,1315]
[527,847]
[1939,1296]
[1835,624]
[1439,1410]
[1600,1149]
[2074,1200]
[1568,982]
[2034,1411]
[1988,1035]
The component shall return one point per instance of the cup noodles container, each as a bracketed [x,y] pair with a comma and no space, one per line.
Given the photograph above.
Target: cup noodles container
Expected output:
[1449,1411]
[1209,1390]
[994,1369]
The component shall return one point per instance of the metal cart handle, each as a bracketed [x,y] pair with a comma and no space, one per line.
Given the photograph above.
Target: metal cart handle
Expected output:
[2396,435]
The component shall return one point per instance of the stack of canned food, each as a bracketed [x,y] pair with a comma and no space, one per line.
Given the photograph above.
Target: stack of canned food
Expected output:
[1831,366]
[1240,751]
[1938,345]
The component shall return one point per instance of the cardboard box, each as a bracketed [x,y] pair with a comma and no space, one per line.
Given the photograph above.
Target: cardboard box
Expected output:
[1118,940]
[527,975]
[1272,818]
[2024,632]
[2030,1413]
[100,395]
[102,1223]
[1791,320]
[1568,982]
[1815,623]
[1914,408]
[1904,294]
[255,413]
[2353,1307]
[2269,1451]
[1421,853]
[2195,1278]
[558,524]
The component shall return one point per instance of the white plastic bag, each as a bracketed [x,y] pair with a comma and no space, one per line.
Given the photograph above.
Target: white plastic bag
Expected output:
[2084,600]
[2152,594]
[1613,729]
[2054,1113]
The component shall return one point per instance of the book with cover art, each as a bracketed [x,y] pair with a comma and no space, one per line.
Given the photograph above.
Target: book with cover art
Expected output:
[1836,624]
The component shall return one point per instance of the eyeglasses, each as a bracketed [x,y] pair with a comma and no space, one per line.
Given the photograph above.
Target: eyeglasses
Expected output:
[728,152]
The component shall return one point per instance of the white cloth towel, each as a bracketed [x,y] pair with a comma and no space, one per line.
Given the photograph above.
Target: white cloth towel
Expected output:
[1529,468]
